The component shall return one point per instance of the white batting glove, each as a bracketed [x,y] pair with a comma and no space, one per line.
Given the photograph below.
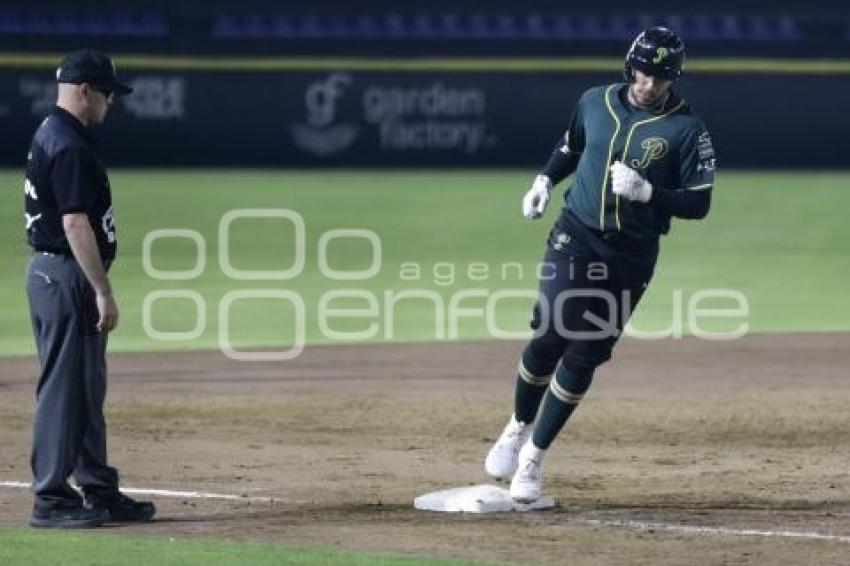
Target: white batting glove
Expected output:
[628,183]
[537,198]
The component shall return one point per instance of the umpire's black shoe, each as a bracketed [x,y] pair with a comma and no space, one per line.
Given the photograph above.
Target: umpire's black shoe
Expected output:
[70,516]
[120,508]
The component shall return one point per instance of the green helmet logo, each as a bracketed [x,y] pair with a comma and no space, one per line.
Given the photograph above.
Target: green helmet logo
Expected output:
[660,54]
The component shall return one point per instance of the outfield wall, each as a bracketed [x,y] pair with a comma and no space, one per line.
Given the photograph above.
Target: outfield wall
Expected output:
[342,113]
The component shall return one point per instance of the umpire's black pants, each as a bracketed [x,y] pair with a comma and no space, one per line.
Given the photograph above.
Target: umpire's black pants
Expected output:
[69,429]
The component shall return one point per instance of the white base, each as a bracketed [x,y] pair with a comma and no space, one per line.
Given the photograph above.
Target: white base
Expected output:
[477,499]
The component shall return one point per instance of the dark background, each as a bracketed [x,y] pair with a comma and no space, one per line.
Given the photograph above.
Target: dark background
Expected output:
[181,116]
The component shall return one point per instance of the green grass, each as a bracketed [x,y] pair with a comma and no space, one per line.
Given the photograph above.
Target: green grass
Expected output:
[27,547]
[779,238]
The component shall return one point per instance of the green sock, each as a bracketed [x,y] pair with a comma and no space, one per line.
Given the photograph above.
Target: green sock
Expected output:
[562,397]
[529,392]
[527,400]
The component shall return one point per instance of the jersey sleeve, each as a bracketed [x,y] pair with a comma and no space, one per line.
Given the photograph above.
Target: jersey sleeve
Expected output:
[72,177]
[696,169]
[573,140]
[565,156]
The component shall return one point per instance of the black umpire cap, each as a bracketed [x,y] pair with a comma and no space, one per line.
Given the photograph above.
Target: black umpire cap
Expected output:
[92,67]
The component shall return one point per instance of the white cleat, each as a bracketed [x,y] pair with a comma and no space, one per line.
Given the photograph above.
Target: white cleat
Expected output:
[527,481]
[501,461]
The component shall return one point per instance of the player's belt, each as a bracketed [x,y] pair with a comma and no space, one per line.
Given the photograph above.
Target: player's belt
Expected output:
[613,238]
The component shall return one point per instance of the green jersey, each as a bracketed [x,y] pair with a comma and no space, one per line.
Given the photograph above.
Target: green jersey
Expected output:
[670,148]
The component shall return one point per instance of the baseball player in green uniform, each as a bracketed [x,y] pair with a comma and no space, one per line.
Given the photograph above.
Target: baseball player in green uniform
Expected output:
[640,157]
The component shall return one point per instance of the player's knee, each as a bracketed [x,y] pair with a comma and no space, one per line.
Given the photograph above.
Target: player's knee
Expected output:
[544,327]
[547,345]
[536,317]
[539,361]
[582,362]
[574,380]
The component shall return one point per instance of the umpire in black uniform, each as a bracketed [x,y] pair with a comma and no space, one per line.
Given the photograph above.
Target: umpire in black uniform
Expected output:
[71,229]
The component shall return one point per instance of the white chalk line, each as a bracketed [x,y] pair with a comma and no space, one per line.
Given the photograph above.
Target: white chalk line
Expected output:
[167,493]
[624,523]
[703,530]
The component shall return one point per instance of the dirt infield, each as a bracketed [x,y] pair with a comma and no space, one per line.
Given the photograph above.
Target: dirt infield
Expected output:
[751,436]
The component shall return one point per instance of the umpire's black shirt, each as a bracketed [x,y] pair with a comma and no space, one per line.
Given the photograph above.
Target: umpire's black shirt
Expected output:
[65,175]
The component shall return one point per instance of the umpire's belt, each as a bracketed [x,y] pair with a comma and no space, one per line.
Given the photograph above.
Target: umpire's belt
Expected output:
[53,251]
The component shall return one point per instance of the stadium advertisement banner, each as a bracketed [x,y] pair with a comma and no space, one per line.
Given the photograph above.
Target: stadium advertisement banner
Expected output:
[406,119]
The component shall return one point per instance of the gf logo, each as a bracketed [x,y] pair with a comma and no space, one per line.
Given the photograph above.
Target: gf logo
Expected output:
[321,134]
[321,98]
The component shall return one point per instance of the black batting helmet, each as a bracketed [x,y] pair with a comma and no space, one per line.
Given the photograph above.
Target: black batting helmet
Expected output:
[657,51]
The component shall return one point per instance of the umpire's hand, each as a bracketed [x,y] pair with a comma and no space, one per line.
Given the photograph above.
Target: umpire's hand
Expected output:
[107,310]
[537,198]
